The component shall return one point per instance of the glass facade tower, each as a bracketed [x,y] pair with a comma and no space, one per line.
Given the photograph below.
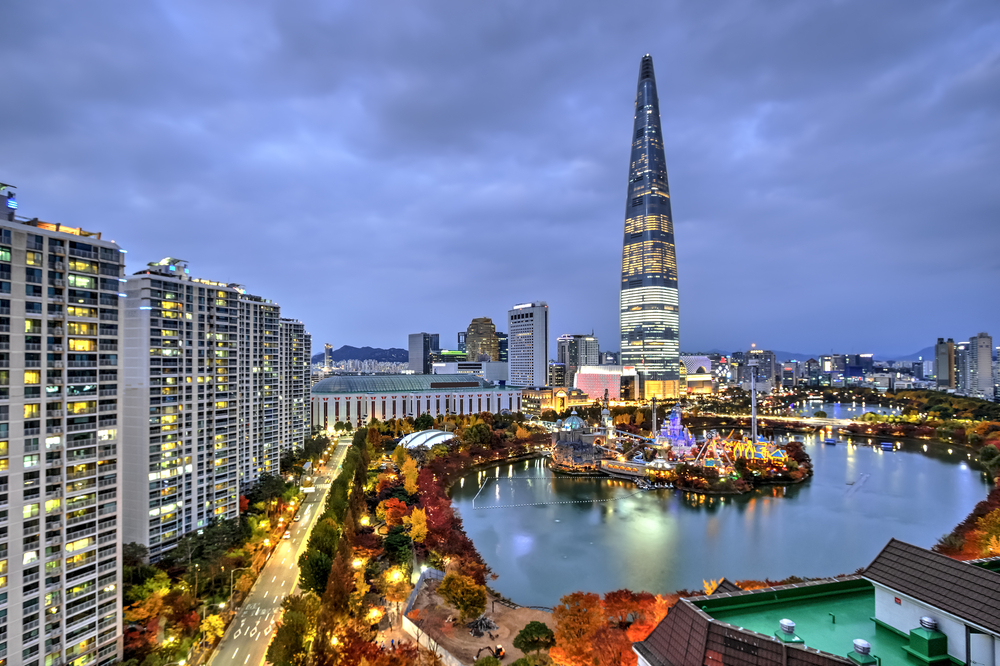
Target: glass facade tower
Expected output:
[649,314]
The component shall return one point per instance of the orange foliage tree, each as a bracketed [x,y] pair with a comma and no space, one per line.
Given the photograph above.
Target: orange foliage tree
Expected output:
[578,617]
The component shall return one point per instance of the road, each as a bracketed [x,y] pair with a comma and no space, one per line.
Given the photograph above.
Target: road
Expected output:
[248,636]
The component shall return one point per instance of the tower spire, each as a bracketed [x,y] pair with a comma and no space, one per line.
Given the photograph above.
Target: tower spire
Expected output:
[648,316]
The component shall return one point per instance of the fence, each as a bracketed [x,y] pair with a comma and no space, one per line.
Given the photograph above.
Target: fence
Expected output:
[414,630]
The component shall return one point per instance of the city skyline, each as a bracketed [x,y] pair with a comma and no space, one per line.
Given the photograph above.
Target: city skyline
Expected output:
[255,135]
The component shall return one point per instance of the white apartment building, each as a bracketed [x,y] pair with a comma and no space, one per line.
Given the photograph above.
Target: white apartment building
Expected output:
[528,344]
[60,525]
[296,370]
[203,387]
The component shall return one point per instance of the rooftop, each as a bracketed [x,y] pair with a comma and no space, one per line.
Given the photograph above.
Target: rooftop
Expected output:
[827,617]
[400,383]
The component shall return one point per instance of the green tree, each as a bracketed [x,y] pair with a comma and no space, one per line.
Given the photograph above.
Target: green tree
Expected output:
[534,636]
[462,592]
[423,422]
[314,570]
[480,434]
[325,537]
[399,455]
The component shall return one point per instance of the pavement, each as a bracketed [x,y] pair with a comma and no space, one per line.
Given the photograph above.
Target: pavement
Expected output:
[246,640]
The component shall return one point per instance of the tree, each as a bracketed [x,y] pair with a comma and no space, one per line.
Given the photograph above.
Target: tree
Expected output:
[578,617]
[410,473]
[213,627]
[534,636]
[398,545]
[136,554]
[394,511]
[462,592]
[418,525]
[488,660]
[423,422]
[611,647]
[325,537]
[314,570]
[399,455]
[479,434]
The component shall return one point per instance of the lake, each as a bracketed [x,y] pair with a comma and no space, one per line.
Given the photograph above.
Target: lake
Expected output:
[547,536]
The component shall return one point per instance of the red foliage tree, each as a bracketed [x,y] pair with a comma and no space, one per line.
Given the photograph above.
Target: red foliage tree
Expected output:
[612,647]
[394,511]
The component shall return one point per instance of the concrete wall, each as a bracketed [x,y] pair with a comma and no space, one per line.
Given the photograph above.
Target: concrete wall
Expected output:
[906,615]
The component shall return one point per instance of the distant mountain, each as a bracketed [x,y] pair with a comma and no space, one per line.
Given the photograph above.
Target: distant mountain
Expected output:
[349,353]
[780,356]
[927,353]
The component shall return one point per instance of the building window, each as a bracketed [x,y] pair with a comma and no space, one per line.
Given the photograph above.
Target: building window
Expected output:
[636,201]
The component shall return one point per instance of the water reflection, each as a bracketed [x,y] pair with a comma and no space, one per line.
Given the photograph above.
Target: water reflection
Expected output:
[661,541]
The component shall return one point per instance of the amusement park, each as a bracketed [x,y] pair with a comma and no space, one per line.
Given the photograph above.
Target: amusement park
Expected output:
[672,457]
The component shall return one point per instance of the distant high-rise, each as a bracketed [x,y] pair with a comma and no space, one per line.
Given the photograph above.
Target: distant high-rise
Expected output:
[981,366]
[574,351]
[649,315]
[528,344]
[502,347]
[461,341]
[944,363]
[420,347]
[327,354]
[481,340]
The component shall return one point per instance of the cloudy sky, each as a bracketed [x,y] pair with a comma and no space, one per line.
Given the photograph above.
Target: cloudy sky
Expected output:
[380,168]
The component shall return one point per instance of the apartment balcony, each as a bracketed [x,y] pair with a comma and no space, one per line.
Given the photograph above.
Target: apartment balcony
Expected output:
[57,249]
[29,432]
[107,408]
[109,316]
[73,476]
[57,282]
[105,361]
[107,377]
[77,427]
[32,364]
[53,494]
[107,347]
[30,530]
[84,254]
[31,346]
[53,462]
[55,348]
[107,566]
[81,364]
[79,443]
[108,392]
[104,483]
[30,578]
[55,331]
[55,413]
[53,430]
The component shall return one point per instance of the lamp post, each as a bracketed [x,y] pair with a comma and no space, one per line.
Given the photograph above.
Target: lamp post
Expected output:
[233,571]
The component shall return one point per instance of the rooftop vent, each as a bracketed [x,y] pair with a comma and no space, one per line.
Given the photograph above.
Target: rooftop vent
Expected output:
[861,654]
[928,623]
[861,646]
[786,632]
[787,626]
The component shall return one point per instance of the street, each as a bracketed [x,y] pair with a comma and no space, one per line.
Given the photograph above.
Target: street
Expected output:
[248,636]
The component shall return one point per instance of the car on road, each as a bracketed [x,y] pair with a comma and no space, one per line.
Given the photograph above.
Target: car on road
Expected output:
[287,535]
[296,518]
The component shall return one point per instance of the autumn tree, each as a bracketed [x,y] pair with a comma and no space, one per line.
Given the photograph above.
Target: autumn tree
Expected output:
[399,455]
[465,594]
[409,470]
[394,510]
[418,525]
[578,617]
[213,627]
[611,647]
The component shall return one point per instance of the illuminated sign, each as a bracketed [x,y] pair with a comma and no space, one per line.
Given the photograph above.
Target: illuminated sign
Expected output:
[11,202]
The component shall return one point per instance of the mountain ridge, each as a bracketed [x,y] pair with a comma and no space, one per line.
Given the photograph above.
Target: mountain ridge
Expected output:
[349,353]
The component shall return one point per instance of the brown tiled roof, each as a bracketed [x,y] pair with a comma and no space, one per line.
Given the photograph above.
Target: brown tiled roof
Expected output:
[966,591]
[688,636]
[724,586]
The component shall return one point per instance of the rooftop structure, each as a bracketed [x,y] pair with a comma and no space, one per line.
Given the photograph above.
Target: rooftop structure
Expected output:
[911,607]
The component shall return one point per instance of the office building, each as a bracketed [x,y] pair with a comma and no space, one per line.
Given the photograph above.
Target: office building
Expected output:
[556,374]
[293,401]
[481,342]
[205,379]
[357,399]
[61,527]
[461,341]
[537,399]
[327,355]
[493,371]
[980,364]
[502,347]
[649,309]
[944,363]
[609,358]
[447,356]
[528,343]
[421,346]
[598,381]
[574,351]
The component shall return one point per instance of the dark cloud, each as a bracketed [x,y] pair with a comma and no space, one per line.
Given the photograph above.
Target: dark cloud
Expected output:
[383,168]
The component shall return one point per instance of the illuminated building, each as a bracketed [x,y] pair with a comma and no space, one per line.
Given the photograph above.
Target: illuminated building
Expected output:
[649,315]
[502,347]
[211,399]
[60,449]
[481,340]
[489,370]
[557,374]
[594,380]
[356,399]
[698,378]
[536,399]
[528,344]
[980,362]
[574,351]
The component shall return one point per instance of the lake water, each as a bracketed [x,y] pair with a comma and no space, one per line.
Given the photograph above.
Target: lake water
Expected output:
[547,536]
[843,410]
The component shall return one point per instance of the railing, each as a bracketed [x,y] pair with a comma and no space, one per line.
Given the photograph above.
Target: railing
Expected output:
[85,254]
[82,364]
[108,316]
[105,361]
[108,392]
[55,348]
[77,427]
[32,346]
[32,364]
[53,430]
[28,432]
[54,380]
[73,476]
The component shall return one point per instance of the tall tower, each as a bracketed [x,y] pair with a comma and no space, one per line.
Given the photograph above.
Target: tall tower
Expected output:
[649,309]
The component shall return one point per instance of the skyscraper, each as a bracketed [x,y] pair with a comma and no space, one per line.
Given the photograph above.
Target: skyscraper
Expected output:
[61,443]
[574,351]
[981,366]
[649,308]
[528,353]
[421,345]
[481,340]
[944,363]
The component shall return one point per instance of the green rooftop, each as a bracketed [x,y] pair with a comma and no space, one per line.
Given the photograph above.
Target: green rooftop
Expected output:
[827,616]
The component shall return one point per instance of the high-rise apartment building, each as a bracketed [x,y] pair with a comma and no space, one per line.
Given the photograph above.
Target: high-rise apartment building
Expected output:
[980,363]
[528,344]
[61,525]
[421,346]
[293,401]
[944,363]
[574,351]
[649,309]
[210,394]
[481,342]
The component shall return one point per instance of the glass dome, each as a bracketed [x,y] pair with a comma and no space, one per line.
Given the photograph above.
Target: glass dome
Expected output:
[574,422]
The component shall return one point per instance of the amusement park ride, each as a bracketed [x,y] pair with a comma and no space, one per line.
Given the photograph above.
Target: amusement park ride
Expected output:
[621,453]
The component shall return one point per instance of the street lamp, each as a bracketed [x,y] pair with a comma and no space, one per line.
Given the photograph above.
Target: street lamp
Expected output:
[231,581]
